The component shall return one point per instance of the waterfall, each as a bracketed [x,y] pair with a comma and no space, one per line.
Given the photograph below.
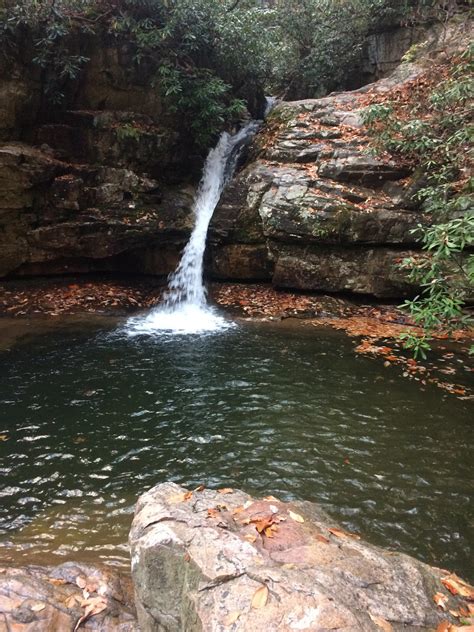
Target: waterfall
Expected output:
[185,308]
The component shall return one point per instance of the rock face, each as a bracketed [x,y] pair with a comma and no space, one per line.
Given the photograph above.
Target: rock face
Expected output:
[108,184]
[331,216]
[107,214]
[104,185]
[209,561]
[41,599]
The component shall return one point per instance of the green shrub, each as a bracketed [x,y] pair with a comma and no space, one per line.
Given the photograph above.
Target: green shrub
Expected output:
[434,131]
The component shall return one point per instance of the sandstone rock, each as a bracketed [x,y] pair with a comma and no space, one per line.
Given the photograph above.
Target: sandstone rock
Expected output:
[372,271]
[57,216]
[240,262]
[213,562]
[48,599]
[331,215]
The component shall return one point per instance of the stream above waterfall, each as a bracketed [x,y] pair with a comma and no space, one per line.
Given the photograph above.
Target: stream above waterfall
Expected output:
[91,418]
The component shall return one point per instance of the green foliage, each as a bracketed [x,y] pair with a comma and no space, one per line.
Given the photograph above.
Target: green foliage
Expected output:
[48,27]
[435,133]
[128,131]
[206,57]
[200,62]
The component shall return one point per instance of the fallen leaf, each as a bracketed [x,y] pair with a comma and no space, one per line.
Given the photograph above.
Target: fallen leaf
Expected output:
[321,538]
[444,626]
[94,606]
[269,532]
[381,623]
[262,524]
[440,600]
[457,586]
[179,498]
[81,581]
[38,607]
[259,600]
[4,437]
[71,602]
[250,538]
[296,517]
[212,513]
[225,490]
[200,488]
[343,534]
[56,582]
[231,618]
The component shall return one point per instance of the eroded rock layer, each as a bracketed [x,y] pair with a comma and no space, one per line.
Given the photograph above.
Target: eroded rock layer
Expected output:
[330,215]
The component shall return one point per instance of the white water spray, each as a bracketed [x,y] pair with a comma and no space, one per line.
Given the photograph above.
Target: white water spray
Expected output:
[185,309]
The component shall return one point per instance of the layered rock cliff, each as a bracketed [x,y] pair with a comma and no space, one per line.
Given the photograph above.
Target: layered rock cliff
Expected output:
[108,184]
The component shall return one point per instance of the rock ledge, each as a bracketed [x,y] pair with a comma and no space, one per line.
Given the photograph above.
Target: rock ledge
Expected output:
[221,560]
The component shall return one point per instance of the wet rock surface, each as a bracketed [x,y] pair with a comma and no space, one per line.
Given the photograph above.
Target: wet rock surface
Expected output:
[221,560]
[67,597]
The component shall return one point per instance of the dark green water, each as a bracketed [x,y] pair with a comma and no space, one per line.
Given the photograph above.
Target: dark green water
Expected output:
[95,418]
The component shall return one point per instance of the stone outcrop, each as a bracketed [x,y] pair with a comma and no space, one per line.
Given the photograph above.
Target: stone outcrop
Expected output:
[43,599]
[60,216]
[331,216]
[213,561]
[103,183]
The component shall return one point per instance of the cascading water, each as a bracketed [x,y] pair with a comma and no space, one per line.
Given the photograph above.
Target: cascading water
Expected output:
[185,309]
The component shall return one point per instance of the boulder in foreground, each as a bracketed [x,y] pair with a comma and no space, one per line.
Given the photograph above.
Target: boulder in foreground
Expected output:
[221,560]
[68,597]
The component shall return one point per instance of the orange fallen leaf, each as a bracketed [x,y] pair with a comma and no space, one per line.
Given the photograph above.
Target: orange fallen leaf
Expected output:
[269,532]
[343,534]
[225,490]
[381,623]
[250,538]
[321,538]
[57,582]
[259,600]
[212,513]
[457,586]
[440,600]
[296,517]
[262,524]
[179,498]
[200,488]
[71,601]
